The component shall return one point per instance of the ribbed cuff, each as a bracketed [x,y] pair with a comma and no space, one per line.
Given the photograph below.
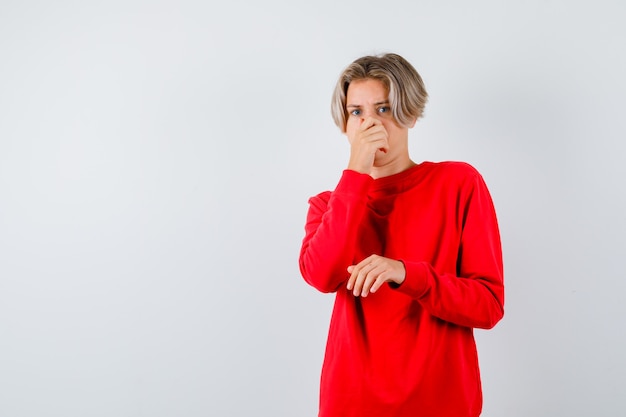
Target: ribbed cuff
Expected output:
[415,283]
[352,182]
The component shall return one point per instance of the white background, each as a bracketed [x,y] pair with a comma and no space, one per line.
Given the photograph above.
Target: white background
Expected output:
[155,164]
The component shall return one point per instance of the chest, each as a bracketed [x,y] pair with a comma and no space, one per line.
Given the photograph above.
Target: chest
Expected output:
[413,225]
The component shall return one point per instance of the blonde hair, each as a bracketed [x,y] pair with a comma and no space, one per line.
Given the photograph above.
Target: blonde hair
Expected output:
[407,94]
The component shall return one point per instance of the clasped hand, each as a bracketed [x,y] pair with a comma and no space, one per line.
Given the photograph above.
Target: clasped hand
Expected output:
[372,272]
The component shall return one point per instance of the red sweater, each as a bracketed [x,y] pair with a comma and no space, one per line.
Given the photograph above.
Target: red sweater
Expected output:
[406,350]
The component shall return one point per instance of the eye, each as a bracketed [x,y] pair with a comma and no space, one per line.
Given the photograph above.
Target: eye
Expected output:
[384,109]
[355,112]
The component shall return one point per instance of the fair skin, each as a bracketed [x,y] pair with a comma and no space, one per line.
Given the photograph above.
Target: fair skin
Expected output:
[379,148]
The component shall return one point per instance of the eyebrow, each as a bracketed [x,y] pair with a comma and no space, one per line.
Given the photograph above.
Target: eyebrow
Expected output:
[378,103]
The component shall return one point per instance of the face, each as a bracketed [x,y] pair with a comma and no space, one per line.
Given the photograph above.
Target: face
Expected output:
[370,98]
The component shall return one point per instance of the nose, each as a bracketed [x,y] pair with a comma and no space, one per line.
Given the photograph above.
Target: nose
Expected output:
[369,113]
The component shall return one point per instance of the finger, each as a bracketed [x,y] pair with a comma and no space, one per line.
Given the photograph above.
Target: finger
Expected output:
[351,279]
[370,279]
[354,270]
[366,123]
[369,122]
[375,131]
[385,146]
[378,136]
[374,137]
[360,277]
[356,281]
[380,280]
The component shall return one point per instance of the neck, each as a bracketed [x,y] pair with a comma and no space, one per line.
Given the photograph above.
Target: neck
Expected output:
[394,167]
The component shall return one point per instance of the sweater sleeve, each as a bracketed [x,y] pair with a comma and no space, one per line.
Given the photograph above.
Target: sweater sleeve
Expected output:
[330,232]
[474,296]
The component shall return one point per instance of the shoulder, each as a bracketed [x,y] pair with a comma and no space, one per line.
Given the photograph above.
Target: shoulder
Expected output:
[451,172]
[453,168]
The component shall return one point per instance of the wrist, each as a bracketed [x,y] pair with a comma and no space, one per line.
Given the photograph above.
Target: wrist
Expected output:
[359,167]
